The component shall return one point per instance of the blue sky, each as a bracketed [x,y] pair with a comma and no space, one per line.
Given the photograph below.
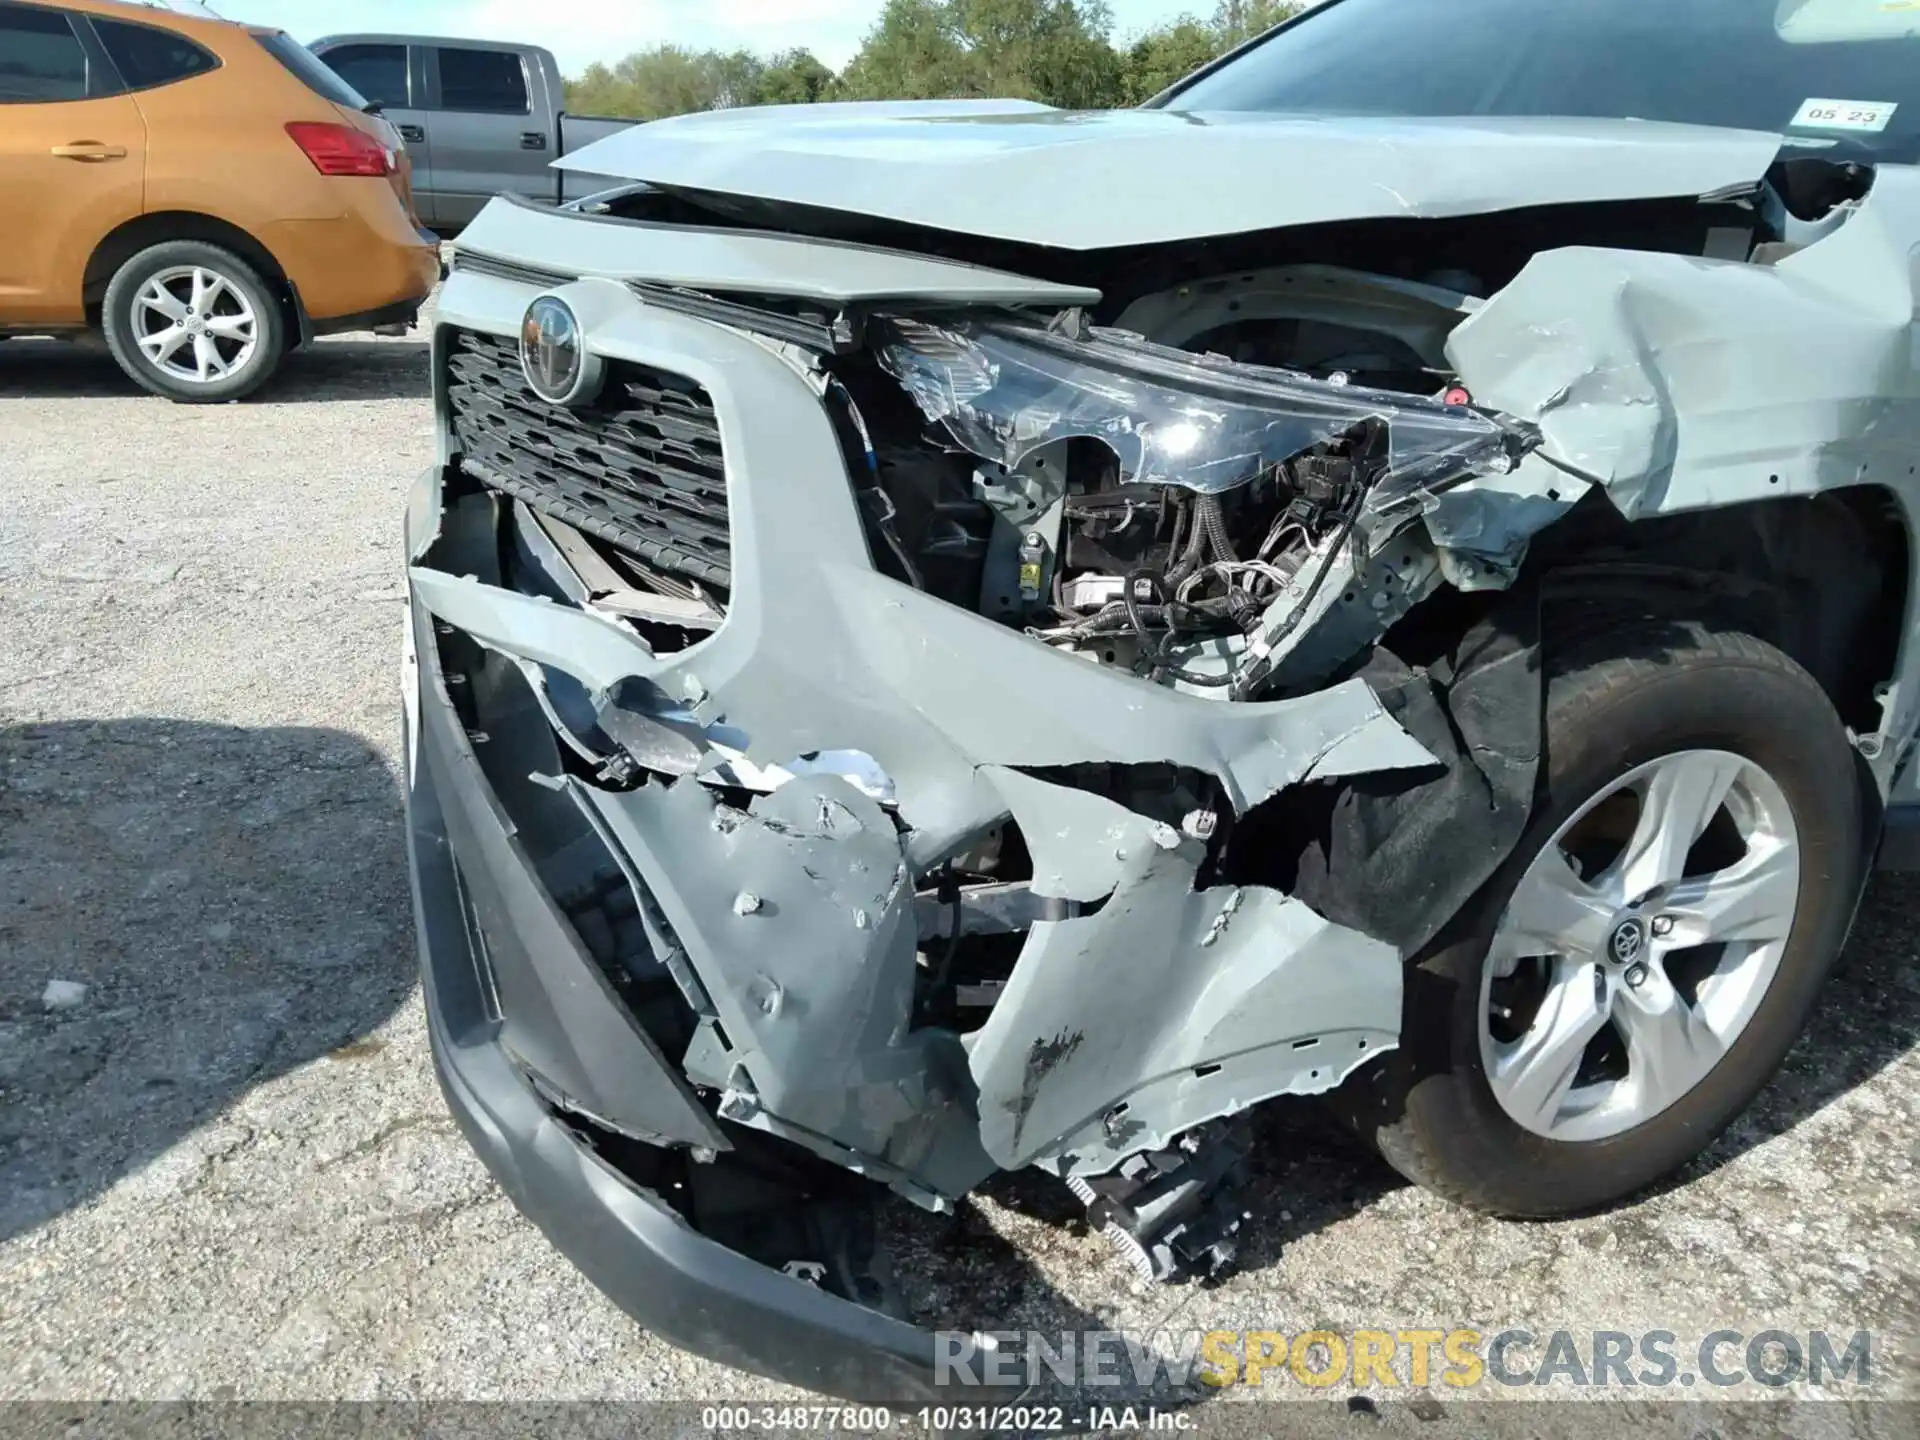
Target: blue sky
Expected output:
[580,31]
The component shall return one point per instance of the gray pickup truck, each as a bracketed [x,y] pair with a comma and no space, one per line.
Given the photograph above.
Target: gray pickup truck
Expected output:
[479,119]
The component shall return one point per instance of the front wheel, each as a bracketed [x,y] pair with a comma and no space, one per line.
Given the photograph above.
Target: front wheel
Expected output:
[193,322]
[1637,971]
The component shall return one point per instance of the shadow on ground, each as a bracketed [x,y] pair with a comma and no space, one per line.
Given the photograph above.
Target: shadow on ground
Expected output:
[351,368]
[1868,1017]
[234,900]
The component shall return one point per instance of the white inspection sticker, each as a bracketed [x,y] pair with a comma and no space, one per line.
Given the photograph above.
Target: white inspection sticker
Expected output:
[1871,115]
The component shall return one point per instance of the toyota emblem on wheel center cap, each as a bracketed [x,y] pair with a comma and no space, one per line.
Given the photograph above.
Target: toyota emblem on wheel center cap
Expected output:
[553,354]
[1628,940]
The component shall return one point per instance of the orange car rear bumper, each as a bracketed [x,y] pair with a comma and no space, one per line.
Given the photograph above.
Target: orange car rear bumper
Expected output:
[366,262]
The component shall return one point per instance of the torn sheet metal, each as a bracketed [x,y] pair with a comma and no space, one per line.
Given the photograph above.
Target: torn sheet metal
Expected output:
[596,650]
[1493,516]
[1680,383]
[1167,1007]
[797,916]
[1105,716]
[1003,389]
[1080,842]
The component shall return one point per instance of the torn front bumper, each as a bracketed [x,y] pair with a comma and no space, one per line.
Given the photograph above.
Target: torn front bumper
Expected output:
[1146,1004]
[486,932]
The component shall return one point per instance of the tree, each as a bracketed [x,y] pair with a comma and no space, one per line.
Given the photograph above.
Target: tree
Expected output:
[1162,56]
[913,52]
[1235,21]
[668,80]
[1057,51]
[796,77]
[1051,50]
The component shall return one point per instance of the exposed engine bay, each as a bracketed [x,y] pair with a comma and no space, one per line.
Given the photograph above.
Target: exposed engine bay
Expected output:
[1173,513]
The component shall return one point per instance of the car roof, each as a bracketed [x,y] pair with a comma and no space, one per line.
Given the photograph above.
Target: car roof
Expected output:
[166,17]
[381,37]
[137,10]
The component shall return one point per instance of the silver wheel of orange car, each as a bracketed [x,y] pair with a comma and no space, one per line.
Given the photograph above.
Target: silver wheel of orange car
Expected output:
[193,322]
[196,325]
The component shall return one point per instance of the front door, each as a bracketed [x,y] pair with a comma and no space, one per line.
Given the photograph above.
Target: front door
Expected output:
[72,165]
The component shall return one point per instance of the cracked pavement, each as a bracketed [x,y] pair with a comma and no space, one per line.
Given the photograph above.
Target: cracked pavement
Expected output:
[228,1173]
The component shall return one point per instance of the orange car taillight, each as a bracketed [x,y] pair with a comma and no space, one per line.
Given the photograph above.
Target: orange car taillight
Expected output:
[341,149]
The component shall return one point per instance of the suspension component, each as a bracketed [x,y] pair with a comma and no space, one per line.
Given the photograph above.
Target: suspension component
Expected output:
[1172,1214]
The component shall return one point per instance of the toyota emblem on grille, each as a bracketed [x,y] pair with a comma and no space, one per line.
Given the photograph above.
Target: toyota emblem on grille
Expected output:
[553,355]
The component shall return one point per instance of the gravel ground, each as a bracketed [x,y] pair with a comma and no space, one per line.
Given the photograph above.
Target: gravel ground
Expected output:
[227,1171]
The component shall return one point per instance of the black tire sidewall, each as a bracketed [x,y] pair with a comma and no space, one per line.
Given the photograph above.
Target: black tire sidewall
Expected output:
[117,321]
[1748,699]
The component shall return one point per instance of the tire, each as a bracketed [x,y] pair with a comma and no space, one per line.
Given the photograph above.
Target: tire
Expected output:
[1639,697]
[244,324]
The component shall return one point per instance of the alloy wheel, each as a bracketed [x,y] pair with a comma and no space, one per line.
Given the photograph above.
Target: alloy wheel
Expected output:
[195,325]
[1638,945]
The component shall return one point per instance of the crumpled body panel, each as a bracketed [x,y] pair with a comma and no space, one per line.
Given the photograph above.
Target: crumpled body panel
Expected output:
[1013,170]
[795,912]
[1253,994]
[1680,383]
[1675,384]
[1671,382]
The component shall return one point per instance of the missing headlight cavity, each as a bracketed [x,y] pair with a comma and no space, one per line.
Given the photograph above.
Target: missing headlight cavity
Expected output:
[925,523]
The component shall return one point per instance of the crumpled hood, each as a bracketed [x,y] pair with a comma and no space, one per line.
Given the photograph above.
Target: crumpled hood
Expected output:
[1014,170]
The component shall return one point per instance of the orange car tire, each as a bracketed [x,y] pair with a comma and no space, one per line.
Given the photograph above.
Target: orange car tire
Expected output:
[193,322]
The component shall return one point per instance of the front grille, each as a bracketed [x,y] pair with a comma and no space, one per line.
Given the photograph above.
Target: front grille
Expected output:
[641,468]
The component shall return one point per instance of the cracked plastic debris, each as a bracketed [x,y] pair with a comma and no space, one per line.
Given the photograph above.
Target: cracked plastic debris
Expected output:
[1255,994]
[1002,388]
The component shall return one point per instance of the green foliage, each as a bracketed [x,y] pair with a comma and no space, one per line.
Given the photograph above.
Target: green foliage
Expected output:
[1162,56]
[913,52]
[1238,20]
[1060,52]
[795,77]
[669,80]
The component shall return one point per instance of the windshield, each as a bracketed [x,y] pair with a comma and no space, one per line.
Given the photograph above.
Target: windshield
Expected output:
[1839,70]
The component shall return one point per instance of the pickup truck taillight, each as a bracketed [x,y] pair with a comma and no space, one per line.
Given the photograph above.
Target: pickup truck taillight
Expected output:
[341,149]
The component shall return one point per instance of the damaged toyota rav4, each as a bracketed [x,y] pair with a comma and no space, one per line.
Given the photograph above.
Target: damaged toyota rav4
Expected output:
[954,637]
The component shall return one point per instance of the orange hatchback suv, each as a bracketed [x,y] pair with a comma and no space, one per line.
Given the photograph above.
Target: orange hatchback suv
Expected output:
[209,195]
